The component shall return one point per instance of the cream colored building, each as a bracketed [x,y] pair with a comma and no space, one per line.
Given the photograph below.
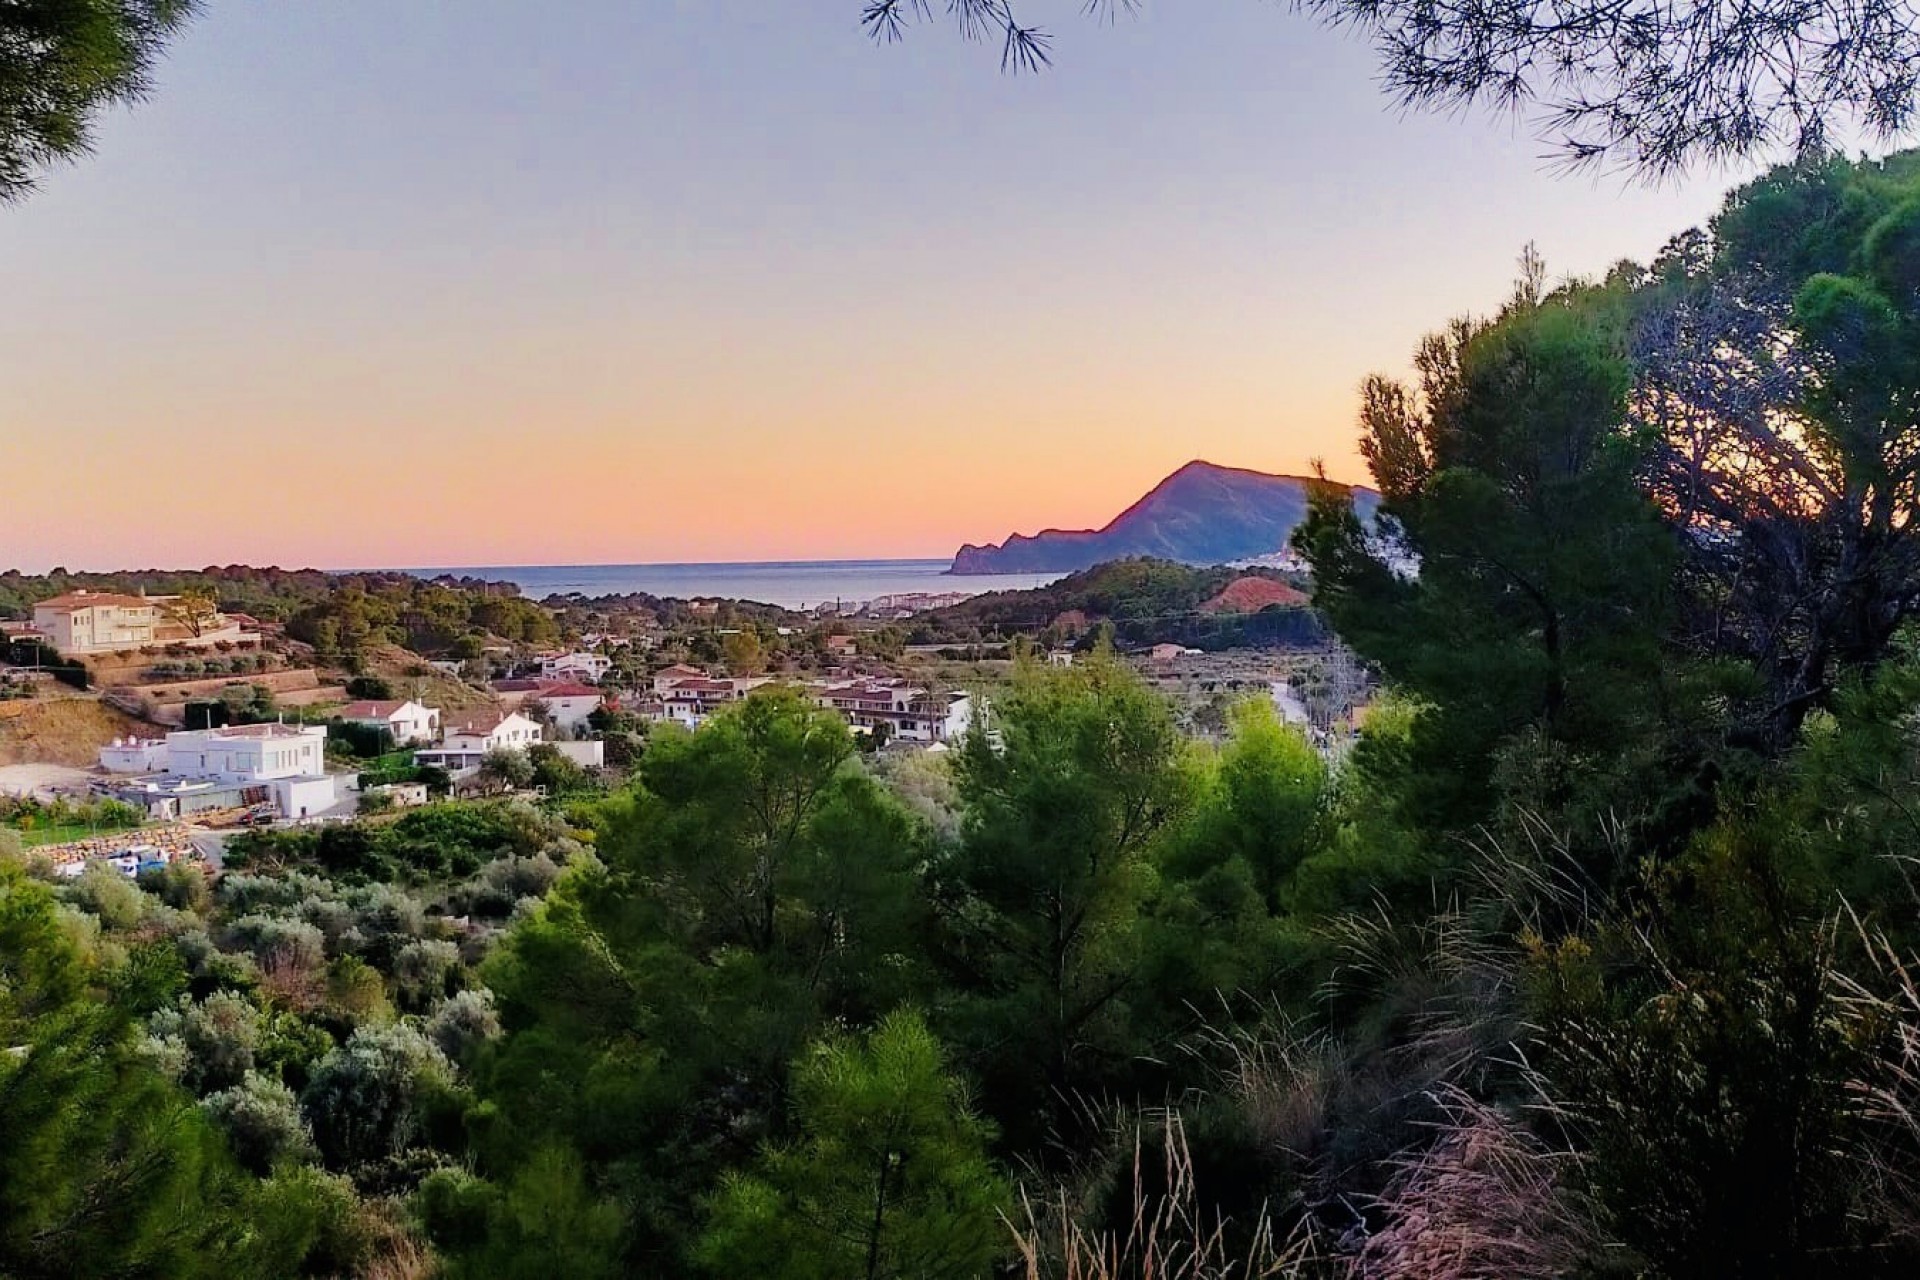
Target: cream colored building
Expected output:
[97,621]
[83,622]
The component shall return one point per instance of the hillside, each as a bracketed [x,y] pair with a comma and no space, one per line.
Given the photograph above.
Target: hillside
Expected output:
[1252,593]
[1148,601]
[1202,514]
[61,730]
[410,676]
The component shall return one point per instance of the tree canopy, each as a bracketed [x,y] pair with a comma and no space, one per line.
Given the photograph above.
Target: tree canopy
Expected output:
[1648,86]
[62,62]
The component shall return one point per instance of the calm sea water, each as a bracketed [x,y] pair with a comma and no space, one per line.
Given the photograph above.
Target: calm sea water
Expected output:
[792,584]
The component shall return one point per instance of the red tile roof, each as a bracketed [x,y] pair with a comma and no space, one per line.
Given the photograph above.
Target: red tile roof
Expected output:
[569,691]
[475,724]
[87,599]
[370,710]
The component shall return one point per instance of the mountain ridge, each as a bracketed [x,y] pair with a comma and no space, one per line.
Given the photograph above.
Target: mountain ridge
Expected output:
[1201,514]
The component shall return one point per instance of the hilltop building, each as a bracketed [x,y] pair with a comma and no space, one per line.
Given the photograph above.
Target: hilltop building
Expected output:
[87,622]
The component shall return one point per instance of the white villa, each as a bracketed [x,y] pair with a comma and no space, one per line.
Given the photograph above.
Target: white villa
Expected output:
[665,678]
[468,737]
[408,721]
[569,705]
[909,713]
[84,622]
[576,666]
[247,764]
[686,696]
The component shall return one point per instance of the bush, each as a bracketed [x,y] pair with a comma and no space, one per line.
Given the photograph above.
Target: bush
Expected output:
[463,1022]
[368,1099]
[182,885]
[262,1123]
[422,970]
[283,941]
[356,993]
[221,1033]
[116,900]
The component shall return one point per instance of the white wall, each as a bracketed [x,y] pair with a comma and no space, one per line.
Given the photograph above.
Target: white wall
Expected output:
[590,755]
[209,753]
[305,797]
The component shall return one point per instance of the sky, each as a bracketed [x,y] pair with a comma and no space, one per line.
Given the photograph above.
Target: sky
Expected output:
[600,281]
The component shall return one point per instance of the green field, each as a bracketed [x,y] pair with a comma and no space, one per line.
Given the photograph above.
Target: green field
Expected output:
[64,832]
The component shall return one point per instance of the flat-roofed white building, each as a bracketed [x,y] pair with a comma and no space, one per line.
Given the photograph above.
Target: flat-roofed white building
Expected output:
[248,752]
[289,760]
[134,755]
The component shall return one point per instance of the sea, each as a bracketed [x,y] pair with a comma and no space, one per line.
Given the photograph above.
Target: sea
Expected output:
[791,584]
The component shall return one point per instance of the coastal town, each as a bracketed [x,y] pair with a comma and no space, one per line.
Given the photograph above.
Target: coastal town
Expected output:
[222,722]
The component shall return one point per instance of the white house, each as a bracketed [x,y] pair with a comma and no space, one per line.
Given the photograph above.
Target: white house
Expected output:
[576,666]
[134,755]
[667,677]
[467,737]
[248,752]
[288,761]
[909,713]
[569,705]
[490,731]
[408,721]
[688,700]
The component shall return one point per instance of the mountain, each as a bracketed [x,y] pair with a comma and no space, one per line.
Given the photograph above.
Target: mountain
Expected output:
[1202,514]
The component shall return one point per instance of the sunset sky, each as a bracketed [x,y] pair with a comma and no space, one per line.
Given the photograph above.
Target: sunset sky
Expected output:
[603,280]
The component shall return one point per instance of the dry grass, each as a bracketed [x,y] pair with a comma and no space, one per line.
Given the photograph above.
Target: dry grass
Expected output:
[1485,1198]
[61,730]
[1170,1235]
[390,1250]
[1886,1006]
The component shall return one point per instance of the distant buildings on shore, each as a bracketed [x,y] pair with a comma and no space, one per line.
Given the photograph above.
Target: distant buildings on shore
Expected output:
[897,709]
